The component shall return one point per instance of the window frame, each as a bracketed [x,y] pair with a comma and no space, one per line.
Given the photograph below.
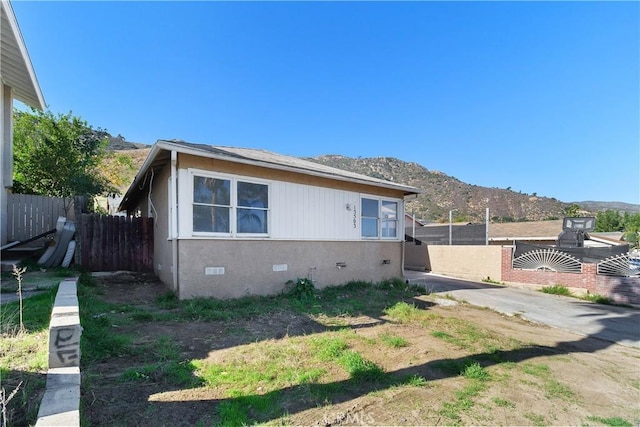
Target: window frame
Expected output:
[233,204]
[380,219]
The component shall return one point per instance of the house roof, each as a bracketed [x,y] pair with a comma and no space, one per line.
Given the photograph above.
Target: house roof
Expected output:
[529,230]
[160,155]
[16,69]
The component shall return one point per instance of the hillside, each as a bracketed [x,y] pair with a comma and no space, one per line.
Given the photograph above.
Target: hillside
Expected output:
[441,192]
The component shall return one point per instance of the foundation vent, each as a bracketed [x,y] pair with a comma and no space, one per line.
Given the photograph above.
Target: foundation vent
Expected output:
[214,271]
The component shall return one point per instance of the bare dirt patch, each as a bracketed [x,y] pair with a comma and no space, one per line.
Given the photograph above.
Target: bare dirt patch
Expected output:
[269,367]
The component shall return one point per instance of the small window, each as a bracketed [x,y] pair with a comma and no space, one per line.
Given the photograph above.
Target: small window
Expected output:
[379,218]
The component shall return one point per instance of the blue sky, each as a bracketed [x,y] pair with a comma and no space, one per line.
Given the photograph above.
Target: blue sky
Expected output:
[541,97]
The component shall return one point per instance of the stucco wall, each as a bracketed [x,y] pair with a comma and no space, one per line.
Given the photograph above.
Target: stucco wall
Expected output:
[415,256]
[249,265]
[471,262]
[162,258]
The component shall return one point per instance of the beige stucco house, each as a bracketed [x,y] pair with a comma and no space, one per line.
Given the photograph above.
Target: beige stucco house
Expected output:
[231,221]
[17,81]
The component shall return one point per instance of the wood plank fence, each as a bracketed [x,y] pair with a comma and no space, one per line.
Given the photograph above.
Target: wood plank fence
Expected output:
[113,243]
[29,215]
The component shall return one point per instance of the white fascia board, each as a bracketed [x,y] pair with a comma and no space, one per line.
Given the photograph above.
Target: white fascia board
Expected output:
[34,99]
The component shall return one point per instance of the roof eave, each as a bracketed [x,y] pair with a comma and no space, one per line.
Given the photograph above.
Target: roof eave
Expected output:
[23,79]
[128,196]
[163,145]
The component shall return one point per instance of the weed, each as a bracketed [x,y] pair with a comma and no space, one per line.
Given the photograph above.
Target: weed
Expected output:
[17,273]
[301,289]
[598,299]
[555,389]
[462,403]
[416,381]
[447,337]
[99,340]
[490,280]
[503,403]
[24,356]
[613,421]
[557,290]
[536,370]
[327,347]
[538,420]
[475,372]
[360,368]
[394,341]
[168,301]
[142,316]
[174,373]
[403,312]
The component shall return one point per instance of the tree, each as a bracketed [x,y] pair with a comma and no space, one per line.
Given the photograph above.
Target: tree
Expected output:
[572,211]
[57,155]
[628,223]
[609,220]
[632,228]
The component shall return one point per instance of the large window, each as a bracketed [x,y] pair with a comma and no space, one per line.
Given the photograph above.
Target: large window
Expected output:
[229,206]
[379,218]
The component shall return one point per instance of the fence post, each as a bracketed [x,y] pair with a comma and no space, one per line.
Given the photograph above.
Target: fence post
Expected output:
[80,206]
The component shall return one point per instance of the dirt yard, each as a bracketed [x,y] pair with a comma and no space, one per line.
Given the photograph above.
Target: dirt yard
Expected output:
[426,362]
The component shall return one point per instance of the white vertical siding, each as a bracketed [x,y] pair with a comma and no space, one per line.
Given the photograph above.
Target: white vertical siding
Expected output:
[296,211]
[308,212]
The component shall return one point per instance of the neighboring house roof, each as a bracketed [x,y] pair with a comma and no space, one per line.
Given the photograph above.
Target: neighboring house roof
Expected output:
[611,237]
[160,155]
[529,230]
[16,69]
[409,218]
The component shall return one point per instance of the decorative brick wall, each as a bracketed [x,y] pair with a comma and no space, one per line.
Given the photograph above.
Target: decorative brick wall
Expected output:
[620,289]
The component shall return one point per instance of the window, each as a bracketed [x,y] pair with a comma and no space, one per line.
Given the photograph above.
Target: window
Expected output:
[379,218]
[369,218]
[389,219]
[253,201]
[229,206]
[211,204]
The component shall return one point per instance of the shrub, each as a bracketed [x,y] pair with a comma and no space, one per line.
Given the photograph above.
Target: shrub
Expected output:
[301,289]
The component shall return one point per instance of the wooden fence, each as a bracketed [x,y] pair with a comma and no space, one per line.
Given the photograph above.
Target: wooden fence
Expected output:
[112,243]
[30,215]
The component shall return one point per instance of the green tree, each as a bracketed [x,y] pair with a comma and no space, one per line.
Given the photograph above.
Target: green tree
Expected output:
[628,223]
[609,220]
[572,211]
[631,228]
[57,155]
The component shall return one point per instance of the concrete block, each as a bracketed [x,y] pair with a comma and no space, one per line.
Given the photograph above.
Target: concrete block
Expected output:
[60,404]
[65,329]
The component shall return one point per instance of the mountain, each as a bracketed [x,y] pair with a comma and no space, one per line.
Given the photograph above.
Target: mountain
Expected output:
[603,206]
[117,143]
[442,192]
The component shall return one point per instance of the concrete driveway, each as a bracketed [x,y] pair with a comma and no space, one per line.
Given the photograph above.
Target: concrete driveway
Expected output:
[616,324]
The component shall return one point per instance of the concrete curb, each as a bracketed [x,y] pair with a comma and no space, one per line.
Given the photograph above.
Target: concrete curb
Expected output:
[60,404]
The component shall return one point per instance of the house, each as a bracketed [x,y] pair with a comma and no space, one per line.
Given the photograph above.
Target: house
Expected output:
[230,222]
[17,81]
